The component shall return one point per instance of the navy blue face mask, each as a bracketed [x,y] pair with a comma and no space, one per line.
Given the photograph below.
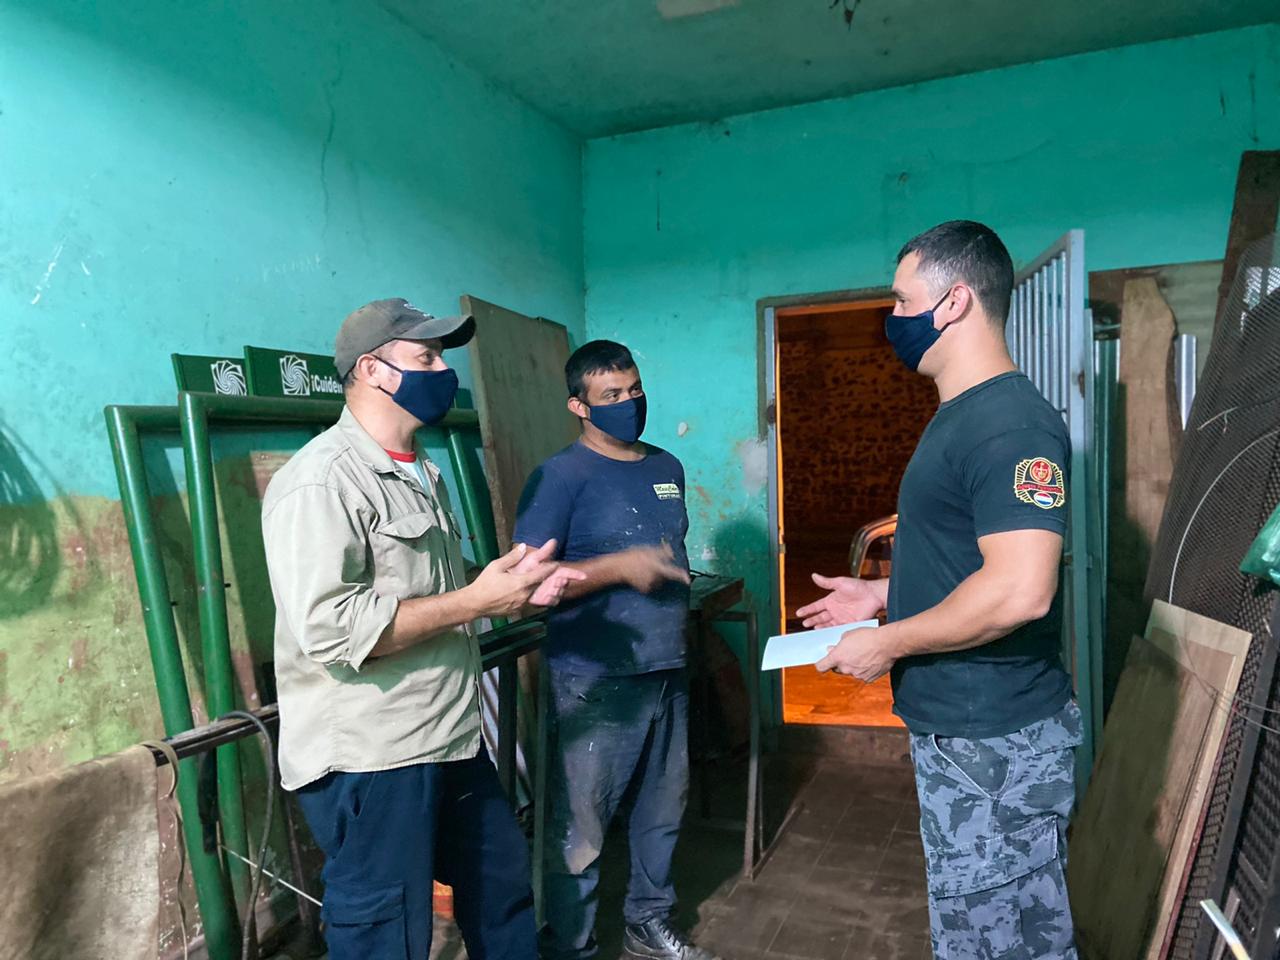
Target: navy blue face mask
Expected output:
[427,394]
[911,337]
[623,421]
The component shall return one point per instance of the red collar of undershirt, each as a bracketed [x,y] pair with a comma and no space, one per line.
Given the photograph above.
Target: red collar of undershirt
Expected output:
[401,457]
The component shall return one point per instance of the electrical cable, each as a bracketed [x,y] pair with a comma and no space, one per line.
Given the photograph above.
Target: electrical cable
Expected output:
[246,927]
[278,879]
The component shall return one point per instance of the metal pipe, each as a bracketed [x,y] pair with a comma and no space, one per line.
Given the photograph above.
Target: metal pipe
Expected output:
[215,641]
[1185,374]
[483,544]
[210,736]
[124,426]
[1042,339]
[1058,333]
[542,747]
[1064,337]
[753,832]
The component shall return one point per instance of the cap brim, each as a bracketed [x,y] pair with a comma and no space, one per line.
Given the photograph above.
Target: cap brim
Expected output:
[450,331]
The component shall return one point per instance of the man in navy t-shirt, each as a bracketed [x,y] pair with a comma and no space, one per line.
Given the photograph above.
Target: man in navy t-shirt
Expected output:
[616,654]
[975,616]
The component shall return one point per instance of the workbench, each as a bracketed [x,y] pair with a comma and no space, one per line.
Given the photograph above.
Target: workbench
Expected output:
[711,600]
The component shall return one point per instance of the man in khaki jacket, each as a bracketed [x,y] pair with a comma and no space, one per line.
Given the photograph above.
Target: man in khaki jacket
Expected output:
[377,663]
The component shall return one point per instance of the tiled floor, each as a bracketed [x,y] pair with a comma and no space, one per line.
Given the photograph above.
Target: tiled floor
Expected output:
[845,881]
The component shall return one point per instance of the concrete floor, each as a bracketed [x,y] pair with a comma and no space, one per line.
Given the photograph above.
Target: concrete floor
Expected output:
[845,880]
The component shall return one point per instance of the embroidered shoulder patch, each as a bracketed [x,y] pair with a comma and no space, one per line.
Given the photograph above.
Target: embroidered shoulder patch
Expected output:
[667,491]
[1039,482]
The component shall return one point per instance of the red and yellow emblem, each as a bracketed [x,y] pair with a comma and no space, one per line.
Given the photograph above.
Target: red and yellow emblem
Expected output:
[1039,482]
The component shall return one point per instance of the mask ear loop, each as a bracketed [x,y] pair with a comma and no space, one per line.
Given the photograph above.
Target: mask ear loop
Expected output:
[934,308]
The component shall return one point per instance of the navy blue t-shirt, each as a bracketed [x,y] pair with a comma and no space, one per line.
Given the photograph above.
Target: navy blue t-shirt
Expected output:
[992,460]
[595,505]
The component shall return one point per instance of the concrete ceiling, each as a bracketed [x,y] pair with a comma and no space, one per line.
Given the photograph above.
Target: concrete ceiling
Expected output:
[610,66]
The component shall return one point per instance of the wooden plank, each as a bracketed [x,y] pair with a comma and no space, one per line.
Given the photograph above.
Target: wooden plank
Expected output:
[1190,289]
[1207,640]
[1143,444]
[1135,832]
[517,366]
[1253,212]
[1146,336]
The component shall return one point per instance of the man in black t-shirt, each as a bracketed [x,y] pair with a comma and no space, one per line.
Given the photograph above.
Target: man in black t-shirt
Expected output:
[974,612]
[615,655]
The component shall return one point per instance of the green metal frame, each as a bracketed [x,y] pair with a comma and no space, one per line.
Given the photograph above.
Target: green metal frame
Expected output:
[125,425]
[192,419]
[195,413]
[485,548]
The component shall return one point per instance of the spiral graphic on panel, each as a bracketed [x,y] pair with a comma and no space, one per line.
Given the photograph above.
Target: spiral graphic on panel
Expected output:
[295,378]
[228,378]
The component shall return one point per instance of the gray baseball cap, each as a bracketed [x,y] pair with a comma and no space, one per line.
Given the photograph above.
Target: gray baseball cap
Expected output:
[382,321]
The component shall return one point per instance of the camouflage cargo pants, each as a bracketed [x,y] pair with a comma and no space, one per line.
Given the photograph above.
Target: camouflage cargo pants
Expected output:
[993,818]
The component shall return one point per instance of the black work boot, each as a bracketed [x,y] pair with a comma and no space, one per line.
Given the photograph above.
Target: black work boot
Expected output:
[658,939]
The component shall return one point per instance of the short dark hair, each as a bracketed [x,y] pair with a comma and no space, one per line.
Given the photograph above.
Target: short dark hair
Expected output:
[963,251]
[598,356]
[349,379]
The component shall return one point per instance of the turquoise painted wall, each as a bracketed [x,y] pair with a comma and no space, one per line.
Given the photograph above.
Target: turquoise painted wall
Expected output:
[202,175]
[195,177]
[688,227]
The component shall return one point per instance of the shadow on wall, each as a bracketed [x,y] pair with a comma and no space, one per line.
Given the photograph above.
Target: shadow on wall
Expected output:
[29,556]
[741,546]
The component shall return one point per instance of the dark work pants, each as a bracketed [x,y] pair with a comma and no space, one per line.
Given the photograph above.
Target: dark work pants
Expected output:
[387,835]
[616,742]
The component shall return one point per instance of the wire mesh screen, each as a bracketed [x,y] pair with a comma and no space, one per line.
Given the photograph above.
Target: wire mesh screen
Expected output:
[1225,484]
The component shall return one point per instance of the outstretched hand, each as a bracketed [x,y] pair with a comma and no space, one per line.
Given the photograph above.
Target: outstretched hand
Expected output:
[847,601]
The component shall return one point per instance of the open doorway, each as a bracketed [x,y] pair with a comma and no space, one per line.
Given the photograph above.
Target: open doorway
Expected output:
[848,416]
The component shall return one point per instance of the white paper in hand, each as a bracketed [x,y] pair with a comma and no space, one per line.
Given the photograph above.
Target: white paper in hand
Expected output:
[800,649]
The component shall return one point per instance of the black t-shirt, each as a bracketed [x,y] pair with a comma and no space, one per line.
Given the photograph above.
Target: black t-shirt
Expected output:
[992,460]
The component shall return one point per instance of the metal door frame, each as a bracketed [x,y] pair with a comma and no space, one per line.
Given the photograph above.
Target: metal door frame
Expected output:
[767,333]
[1059,360]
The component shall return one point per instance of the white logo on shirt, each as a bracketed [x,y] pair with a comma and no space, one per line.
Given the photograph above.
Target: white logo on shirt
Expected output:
[666,491]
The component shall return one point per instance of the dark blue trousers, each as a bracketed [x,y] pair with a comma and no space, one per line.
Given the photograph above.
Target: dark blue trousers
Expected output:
[617,743]
[386,835]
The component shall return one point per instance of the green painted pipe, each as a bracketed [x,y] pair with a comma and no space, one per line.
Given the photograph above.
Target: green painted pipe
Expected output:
[512,700]
[124,426]
[484,539]
[215,644]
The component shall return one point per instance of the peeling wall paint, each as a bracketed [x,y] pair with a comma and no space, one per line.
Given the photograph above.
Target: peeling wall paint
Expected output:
[1139,146]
